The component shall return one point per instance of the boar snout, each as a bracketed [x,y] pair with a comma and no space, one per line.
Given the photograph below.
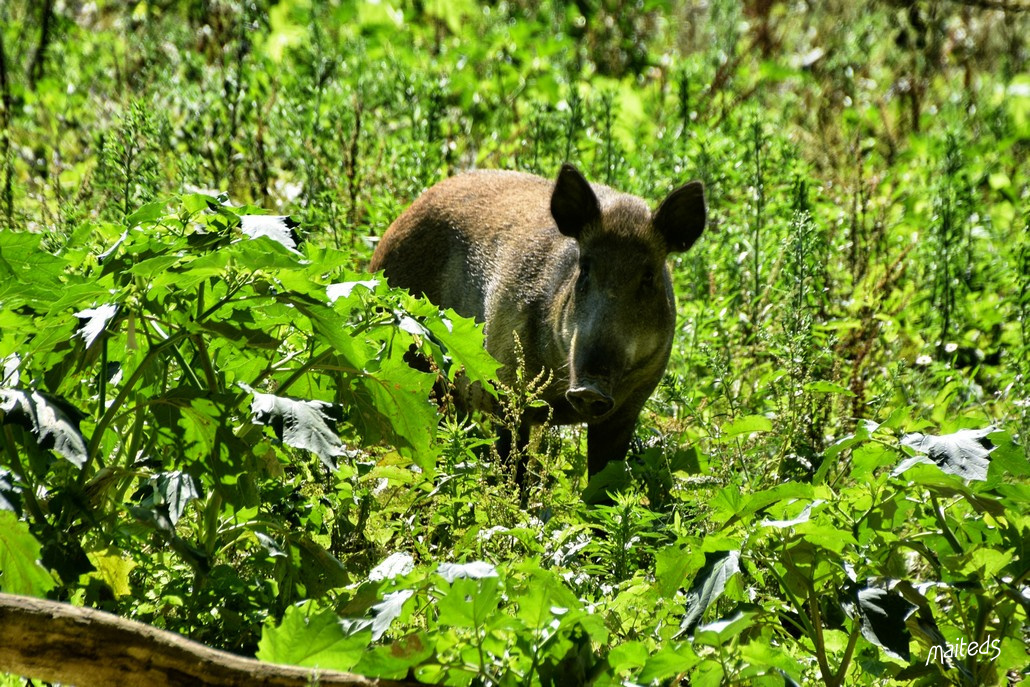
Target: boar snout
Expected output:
[590,402]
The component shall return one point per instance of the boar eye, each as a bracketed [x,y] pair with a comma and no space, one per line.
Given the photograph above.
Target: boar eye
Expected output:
[584,271]
[649,279]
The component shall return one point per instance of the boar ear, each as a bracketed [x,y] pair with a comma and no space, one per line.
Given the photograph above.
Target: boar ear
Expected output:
[680,218]
[573,203]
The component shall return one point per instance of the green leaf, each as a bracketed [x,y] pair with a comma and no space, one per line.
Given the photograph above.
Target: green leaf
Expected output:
[762,654]
[299,423]
[388,610]
[379,14]
[1008,459]
[881,615]
[747,425]
[393,404]
[113,567]
[987,563]
[461,339]
[720,631]
[964,453]
[669,662]
[28,274]
[469,602]
[149,213]
[314,637]
[47,419]
[152,267]
[628,656]
[545,601]
[708,586]
[823,387]
[614,477]
[95,321]
[393,661]
[734,504]
[672,565]
[20,569]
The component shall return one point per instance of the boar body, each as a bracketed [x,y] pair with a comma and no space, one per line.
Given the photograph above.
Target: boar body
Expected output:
[577,271]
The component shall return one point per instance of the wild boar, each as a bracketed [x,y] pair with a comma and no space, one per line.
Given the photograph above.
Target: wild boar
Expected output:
[576,270]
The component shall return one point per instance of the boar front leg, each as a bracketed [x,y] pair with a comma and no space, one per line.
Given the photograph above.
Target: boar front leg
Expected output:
[609,440]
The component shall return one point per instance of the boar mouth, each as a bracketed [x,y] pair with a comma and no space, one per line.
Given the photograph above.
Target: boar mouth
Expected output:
[590,401]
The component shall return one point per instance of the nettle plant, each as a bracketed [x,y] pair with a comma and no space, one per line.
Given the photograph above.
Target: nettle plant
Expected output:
[160,400]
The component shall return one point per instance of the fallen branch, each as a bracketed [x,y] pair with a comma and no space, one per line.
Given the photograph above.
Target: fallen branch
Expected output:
[85,647]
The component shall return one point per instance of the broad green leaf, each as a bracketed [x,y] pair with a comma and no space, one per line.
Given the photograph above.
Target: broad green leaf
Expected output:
[299,423]
[719,632]
[614,477]
[826,536]
[277,228]
[476,570]
[987,563]
[762,654]
[667,663]
[197,202]
[461,339]
[379,14]
[823,387]
[95,321]
[735,505]
[396,565]
[393,661]
[20,569]
[50,424]
[469,602]
[392,404]
[149,213]
[881,615]
[314,637]
[27,273]
[672,565]
[867,458]
[747,425]
[113,566]
[964,453]
[1008,459]
[708,586]
[628,656]
[708,673]
[152,267]
[544,601]
[385,612]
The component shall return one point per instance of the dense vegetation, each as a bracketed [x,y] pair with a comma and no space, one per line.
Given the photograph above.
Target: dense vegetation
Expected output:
[207,420]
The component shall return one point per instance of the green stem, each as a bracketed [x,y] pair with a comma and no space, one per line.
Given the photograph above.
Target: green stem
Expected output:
[846,660]
[119,401]
[949,536]
[820,643]
[29,494]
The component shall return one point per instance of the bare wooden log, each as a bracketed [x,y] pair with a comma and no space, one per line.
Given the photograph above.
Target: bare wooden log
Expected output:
[85,647]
